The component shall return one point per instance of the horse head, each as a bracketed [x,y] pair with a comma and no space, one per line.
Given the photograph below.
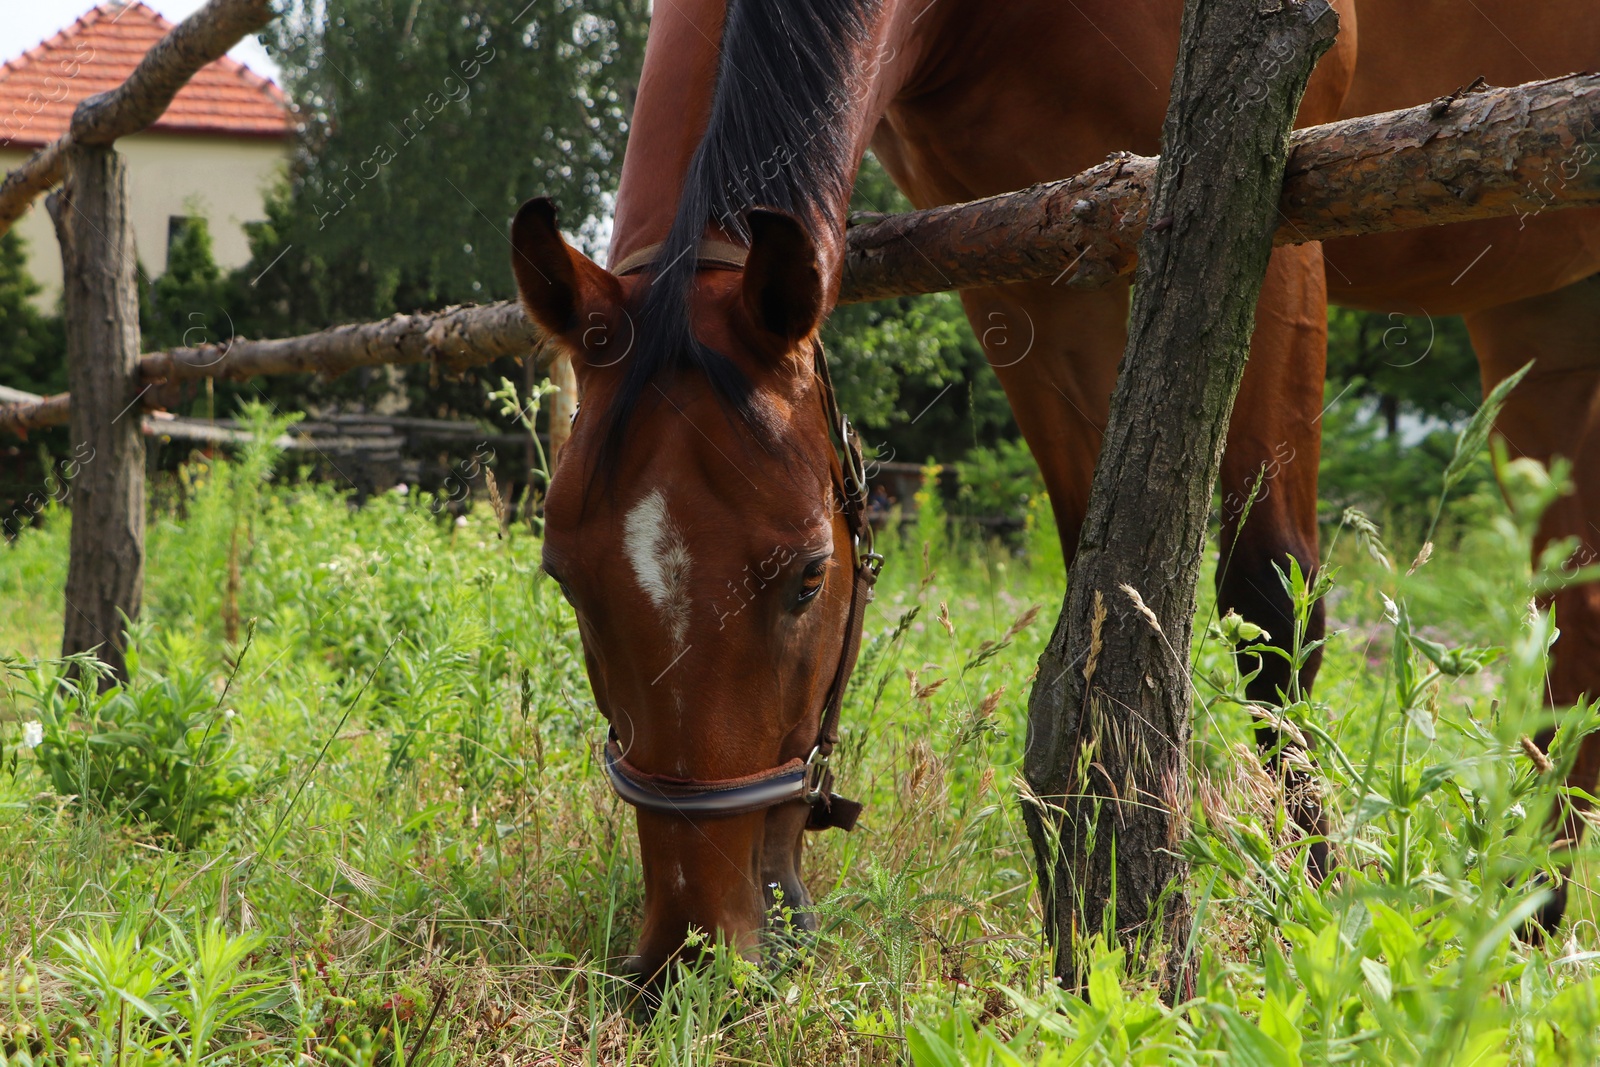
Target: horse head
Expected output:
[709,536]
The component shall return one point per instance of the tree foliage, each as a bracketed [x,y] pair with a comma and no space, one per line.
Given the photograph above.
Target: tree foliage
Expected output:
[32,343]
[1398,387]
[424,126]
[1414,365]
[910,371]
[184,305]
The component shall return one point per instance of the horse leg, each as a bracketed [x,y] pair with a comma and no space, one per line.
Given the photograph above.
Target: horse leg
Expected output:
[1556,412]
[1269,501]
[1056,352]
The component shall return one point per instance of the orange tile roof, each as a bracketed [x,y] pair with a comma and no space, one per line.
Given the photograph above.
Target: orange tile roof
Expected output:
[39,89]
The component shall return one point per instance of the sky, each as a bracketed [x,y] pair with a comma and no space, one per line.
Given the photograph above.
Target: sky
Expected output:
[24,23]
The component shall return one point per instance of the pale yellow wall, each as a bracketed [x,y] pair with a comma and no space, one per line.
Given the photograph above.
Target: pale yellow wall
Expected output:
[224,179]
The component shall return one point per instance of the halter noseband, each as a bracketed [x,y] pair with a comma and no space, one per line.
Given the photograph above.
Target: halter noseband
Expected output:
[808,780]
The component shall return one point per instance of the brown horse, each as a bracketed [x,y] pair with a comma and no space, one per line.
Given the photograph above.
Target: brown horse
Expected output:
[703,458]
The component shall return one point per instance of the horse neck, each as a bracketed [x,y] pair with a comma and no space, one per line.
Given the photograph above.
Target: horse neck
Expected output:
[674,102]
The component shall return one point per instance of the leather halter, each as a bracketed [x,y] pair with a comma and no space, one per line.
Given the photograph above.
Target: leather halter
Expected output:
[809,780]
[713,255]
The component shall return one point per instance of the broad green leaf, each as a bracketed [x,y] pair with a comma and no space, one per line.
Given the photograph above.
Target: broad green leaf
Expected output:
[1395,933]
[1278,1023]
[1485,1050]
[928,1049]
[1377,974]
[1456,661]
[1249,1046]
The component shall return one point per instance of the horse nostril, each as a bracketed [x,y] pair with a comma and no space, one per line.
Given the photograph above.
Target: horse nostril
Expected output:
[638,989]
[789,910]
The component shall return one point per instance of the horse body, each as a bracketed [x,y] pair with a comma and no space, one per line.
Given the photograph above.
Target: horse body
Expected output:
[1527,285]
[1096,77]
[695,523]
[1414,52]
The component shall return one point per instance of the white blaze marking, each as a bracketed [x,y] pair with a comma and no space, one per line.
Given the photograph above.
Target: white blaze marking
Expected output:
[660,561]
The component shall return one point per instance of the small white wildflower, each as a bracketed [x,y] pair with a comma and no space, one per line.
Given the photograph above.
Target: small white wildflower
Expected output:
[461,520]
[402,489]
[32,734]
[1390,610]
[228,713]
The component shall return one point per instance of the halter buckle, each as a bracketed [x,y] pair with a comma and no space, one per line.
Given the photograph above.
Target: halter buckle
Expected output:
[863,553]
[816,780]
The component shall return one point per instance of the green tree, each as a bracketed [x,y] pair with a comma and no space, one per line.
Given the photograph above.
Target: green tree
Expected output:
[1385,373]
[423,126]
[32,344]
[1406,365]
[185,305]
[910,372]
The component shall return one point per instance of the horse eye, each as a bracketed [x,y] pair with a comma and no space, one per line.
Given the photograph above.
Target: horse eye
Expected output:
[566,594]
[811,581]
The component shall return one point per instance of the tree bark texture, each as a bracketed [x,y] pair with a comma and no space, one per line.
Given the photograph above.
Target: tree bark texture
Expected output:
[1109,717]
[455,339]
[1476,154]
[105,573]
[202,38]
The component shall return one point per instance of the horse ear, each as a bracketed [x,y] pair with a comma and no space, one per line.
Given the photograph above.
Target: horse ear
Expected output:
[782,279]
[556,281]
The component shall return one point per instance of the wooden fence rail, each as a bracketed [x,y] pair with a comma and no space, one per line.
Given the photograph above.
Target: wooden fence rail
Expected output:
[1479,153]
[1482,153]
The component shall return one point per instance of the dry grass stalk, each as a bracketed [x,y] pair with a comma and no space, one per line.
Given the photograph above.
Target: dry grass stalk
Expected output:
[1022,622]
[1536,754]
[1142,608]
[502,511]
[1096,638]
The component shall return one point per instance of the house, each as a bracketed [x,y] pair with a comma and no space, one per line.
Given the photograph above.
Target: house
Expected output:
[222,144]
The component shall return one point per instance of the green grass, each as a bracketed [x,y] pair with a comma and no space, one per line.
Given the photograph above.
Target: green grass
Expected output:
[424,863]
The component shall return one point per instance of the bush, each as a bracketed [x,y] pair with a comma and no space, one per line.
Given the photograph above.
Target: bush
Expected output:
[158,752]
[184,305]
[999,482]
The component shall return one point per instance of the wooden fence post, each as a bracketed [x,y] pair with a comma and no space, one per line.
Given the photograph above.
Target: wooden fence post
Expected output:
[1108,720]
[105,573]
[564,405]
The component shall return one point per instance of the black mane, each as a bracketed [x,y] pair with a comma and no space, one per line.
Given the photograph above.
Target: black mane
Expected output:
[773,141]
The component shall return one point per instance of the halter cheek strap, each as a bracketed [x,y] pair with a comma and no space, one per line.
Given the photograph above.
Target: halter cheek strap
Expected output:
[809,780]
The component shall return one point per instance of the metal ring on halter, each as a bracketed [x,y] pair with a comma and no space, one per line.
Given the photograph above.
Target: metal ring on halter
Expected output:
[816,775]
[873,560]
